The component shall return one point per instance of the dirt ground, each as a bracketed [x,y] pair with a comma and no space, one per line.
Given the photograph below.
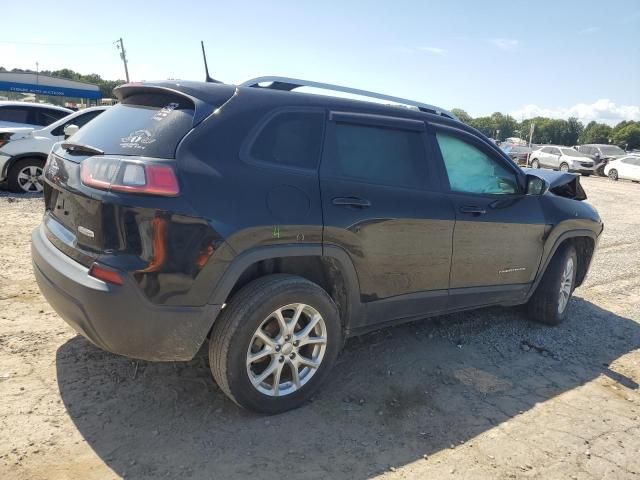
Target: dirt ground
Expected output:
[484,394]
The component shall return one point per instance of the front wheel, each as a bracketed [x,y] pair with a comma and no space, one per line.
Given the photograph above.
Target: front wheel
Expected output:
[550,301]
[613,174]
[275,343]
[564,167]
[535,163]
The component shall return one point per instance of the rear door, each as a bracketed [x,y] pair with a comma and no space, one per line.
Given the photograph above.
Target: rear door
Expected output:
[497,242]
[381,204]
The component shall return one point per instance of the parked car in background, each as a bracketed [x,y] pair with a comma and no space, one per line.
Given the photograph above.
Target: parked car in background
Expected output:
[517,153]
[565,159]
[23,151]
[625,168]
[30,115]
[286,222]
[602,154]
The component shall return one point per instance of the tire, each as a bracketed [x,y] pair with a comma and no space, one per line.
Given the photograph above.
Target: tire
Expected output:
[613,174]
[235,335]
[586,174]
[547,304]
[600,171]
[535,163]
[22,174]
[564,167]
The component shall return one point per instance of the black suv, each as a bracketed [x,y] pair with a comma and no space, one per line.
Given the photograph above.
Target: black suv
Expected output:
[278,223]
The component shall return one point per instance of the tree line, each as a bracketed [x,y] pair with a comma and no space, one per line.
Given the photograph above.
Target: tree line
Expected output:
[106,86]
[572,131]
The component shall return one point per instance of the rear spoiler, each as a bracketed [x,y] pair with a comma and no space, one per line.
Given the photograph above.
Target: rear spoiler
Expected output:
[203,107]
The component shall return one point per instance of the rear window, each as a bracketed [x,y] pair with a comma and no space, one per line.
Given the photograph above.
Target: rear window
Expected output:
[146,124]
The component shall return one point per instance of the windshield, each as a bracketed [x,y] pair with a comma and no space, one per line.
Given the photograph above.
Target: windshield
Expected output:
[612,150]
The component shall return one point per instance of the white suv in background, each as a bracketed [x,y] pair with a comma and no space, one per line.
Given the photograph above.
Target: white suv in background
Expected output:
[24,151]
[565,159]
[30,115]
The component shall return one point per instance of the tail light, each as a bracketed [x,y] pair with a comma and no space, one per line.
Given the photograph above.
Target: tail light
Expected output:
[105,274]
[130,176]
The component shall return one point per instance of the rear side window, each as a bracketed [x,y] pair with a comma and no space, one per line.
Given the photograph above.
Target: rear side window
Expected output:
[290,139]
[146,124]
[46,116]
[14,114]
[379,155]
[79,121]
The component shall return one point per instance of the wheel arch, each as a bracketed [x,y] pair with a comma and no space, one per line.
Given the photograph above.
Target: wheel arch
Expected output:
[7,166]
[584,242]
[330,267]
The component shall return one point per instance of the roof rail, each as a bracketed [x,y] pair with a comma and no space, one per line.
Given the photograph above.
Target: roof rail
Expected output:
[289,84]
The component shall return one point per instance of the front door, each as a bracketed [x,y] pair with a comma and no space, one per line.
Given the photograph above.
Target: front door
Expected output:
[498,236]
[381,203]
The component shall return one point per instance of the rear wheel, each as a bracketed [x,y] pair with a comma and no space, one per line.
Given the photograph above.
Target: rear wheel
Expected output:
[550,301]
[564,167]
[535,163]
[613,174]
[275,343]
[25,176]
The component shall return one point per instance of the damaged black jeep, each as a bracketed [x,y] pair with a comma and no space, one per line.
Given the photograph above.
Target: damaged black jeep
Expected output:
[274,224]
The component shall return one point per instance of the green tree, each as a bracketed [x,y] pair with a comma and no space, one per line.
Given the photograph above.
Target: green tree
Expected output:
[462,115]
[628,135]
[596,132]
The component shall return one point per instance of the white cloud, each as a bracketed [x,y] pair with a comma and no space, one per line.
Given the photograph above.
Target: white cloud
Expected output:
[505,43]
[434,50]
[603,110]
[590,30]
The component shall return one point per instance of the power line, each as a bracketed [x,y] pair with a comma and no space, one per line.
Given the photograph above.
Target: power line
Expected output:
[47,44]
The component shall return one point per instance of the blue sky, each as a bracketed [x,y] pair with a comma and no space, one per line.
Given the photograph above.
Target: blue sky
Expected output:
[551,57]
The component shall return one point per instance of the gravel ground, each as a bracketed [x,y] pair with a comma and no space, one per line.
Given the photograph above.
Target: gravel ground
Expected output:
[484,394]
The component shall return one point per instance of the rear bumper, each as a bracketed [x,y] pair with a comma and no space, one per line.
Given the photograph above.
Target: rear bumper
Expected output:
[117,318]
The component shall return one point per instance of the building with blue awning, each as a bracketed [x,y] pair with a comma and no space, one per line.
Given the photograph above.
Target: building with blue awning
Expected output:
[45,85]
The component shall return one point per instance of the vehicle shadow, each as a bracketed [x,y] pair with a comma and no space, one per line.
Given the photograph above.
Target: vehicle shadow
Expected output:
[396,395]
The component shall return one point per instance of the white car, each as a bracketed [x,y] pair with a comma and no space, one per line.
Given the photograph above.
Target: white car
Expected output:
[30,115]
[565,159]
[626,168]
[23,151]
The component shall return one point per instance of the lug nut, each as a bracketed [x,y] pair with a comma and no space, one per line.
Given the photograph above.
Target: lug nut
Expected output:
[296,343]
[281,358]
[292,356]
[287,338]
[277,348]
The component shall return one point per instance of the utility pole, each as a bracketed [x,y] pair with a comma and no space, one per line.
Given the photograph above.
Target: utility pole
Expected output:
[123,56]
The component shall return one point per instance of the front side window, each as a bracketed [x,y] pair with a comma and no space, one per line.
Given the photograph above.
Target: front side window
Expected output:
[471,170]
[379,155]
[290,139]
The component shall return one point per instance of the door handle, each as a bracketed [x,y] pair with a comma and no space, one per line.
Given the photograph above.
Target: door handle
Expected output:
[473,210]
[351,202]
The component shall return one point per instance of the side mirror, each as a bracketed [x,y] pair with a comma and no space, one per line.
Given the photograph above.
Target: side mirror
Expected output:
[536,185]
[597,155]
[70,130]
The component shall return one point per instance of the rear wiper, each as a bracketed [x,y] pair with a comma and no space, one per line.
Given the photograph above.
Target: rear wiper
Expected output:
[79,147]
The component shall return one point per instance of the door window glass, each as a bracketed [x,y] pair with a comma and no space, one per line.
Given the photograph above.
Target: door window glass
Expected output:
[471,170]
[380,155]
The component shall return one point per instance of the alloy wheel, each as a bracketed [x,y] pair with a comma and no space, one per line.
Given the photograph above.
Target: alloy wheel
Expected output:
[30,179]
[566,284]
[286,350]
